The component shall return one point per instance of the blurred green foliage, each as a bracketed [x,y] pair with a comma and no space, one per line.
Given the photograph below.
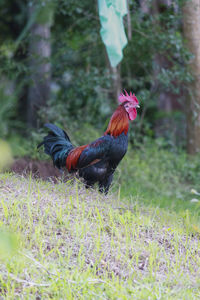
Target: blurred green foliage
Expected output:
[82,84]
[8,244]
[5,156]
[8,108]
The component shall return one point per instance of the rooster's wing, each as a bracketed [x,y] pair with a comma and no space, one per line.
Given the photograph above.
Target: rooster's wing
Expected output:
[87,155]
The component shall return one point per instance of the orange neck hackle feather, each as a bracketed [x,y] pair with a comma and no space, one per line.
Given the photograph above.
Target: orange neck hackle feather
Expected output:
[119,122]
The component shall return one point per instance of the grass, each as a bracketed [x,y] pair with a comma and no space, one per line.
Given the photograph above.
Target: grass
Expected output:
[161,178]
[74,243]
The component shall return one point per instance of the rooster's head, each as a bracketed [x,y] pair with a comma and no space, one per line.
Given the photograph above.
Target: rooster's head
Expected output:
[130,103]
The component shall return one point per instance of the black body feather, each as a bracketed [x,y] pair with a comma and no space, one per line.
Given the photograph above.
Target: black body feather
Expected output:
[109,152]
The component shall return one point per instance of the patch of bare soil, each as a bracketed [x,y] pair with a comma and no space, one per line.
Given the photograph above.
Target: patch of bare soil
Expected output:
[39,169]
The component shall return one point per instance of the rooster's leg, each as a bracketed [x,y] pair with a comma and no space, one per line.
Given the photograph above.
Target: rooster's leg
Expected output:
[89,184]
[105,184]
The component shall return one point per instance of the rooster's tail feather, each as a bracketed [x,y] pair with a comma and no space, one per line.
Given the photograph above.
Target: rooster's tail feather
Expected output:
[57,144]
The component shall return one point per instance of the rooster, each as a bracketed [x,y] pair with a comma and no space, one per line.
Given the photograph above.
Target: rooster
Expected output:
[97,161]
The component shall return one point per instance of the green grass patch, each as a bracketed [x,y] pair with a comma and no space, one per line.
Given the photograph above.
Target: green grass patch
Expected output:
[74,243]
[160,178]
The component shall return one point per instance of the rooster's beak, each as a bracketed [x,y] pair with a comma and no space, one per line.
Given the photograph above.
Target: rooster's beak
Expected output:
[137,106]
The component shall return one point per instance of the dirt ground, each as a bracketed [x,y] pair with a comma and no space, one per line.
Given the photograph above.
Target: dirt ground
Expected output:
[39,169]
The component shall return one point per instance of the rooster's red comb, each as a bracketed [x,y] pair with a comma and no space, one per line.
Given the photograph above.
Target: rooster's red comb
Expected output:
[130,98]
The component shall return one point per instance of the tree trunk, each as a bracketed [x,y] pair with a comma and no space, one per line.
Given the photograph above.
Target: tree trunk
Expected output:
[191,24]
[39,64]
